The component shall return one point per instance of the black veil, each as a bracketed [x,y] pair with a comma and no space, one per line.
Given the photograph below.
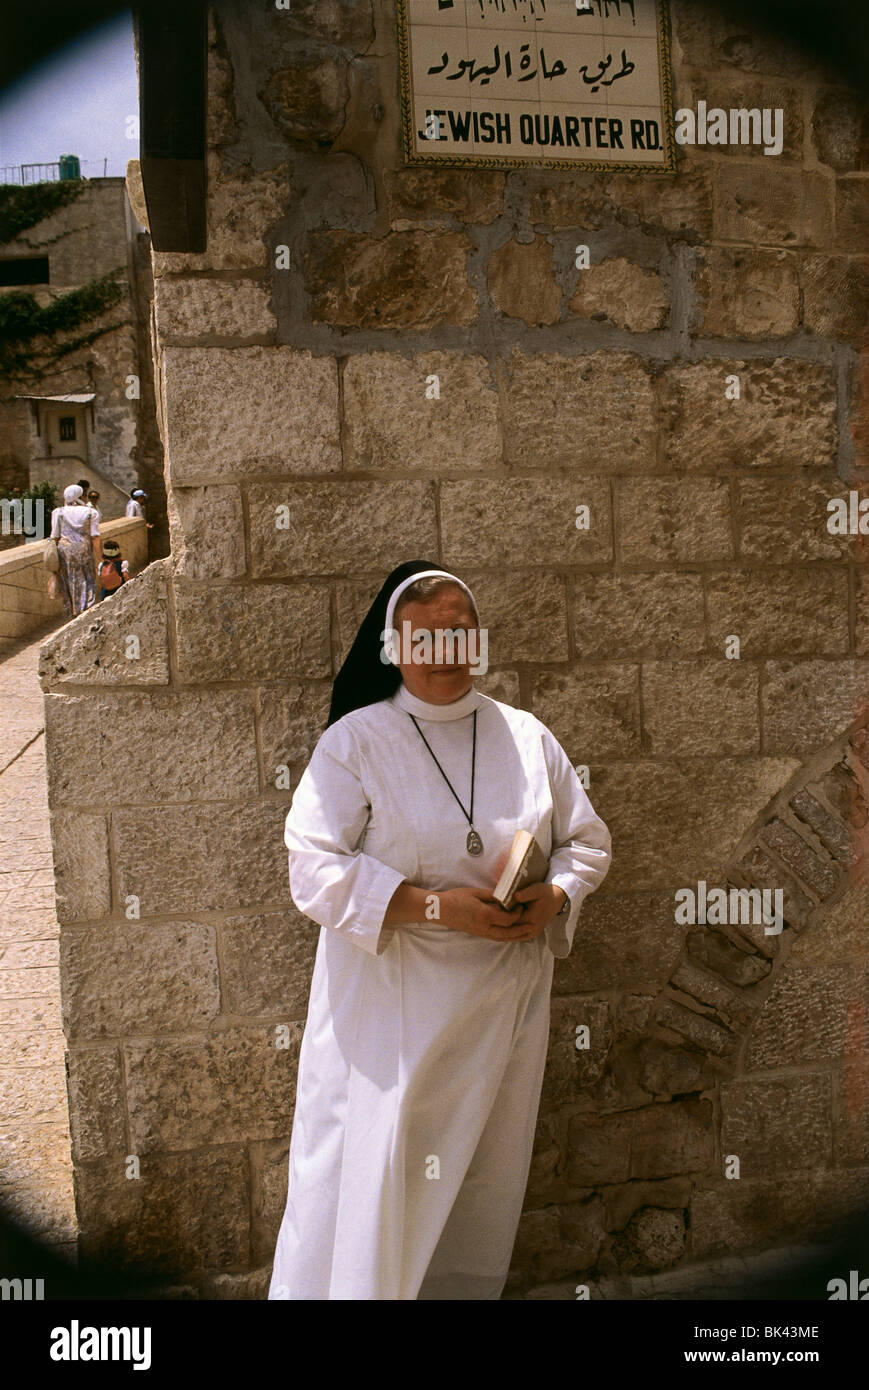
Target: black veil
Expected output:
[364,679]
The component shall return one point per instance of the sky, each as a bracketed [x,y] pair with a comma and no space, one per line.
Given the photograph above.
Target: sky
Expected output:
[78,101]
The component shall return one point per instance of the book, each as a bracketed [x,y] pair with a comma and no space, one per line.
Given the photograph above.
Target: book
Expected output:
[526,864]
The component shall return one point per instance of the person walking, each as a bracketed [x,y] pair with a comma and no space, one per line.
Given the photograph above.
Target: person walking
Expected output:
[76,528]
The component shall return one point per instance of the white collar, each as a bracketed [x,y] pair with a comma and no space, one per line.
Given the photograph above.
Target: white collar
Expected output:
[456,709]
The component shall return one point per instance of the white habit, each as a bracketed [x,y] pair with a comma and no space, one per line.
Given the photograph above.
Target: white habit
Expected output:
[423,1053]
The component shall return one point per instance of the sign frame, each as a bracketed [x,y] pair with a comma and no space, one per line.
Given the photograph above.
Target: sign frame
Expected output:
[531,161]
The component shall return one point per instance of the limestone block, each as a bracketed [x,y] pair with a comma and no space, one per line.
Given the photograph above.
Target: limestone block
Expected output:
[832,833]
[820,876]
[732,961]
[80,846]
[785,416]
[269,1175]
[186,1211]
[673,521]
[784,519]
[502,686]
[628,295]
[253,632]
[738,92]
[653,1239]
[760,871]
[840,130]
[415,196]
[92,649]
[404,280]
[545,1159]
[337,527]
[521,281]
[592,414]
[840,935]
[185,1093]
[673,1071]
[394,425]
[32,1095]
[32,1151]
[699,812]
[291,721]
[835,297]
[351,26]
[242,202]
[670,1139]
[638,615]
[782,1122]
[700,709]
[525,613]
[583,1227]
[308,102]
[488,523]
[195,307]
[805,1018]
[353,598]
[594,711]
[97,1114]
[234,411]
[713,38]
[748,293]
[814,1203]
[251,1286]
[195,859]
[862,623]
[598,1149]
[734,1008]
[196,745]
[139,978]
[767,205]
[679,203]
[206,531]
[779,612]
[266,963]
[570,1069]
[623,941]
[852,215]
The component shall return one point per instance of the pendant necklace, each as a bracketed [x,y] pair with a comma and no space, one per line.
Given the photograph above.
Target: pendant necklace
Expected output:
[473,843]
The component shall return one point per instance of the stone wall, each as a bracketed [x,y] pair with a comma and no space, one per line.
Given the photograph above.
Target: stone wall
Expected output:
[91,236]
[184,963]
[25,605]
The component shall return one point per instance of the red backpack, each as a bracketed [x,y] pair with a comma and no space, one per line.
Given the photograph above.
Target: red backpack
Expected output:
[110,574]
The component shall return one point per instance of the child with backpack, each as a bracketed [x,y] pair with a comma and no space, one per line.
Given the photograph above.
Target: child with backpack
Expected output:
[114,571]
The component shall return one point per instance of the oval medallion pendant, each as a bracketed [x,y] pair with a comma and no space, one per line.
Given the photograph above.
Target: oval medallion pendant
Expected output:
[474,843]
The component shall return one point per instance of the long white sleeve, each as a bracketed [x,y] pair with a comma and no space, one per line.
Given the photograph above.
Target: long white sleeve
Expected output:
[581,843]
[331,880]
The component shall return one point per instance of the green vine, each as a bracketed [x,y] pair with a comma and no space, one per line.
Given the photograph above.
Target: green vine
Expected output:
[23,321]
[23,205]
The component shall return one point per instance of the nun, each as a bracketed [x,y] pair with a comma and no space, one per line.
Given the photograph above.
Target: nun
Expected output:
[422,1058]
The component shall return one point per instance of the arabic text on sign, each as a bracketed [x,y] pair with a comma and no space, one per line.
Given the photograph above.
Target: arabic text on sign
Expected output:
[485,73]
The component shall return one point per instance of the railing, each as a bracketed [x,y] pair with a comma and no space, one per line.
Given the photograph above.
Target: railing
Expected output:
[43,173]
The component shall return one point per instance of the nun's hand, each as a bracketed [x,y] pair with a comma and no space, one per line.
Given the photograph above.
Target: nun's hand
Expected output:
[474,910]
[541,902]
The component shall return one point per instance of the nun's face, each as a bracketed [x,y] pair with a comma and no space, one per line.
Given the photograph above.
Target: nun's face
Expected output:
[438,644]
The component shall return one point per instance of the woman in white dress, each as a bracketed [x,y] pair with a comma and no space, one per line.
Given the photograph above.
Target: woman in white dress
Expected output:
[422,1058]
[76,528]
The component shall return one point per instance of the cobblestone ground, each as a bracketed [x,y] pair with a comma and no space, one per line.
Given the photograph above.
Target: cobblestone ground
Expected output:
[35,1166]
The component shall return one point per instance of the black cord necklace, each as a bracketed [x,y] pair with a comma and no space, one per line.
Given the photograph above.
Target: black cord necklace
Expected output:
[473,844]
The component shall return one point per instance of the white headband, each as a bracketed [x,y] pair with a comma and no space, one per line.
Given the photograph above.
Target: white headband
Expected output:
[388,625]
